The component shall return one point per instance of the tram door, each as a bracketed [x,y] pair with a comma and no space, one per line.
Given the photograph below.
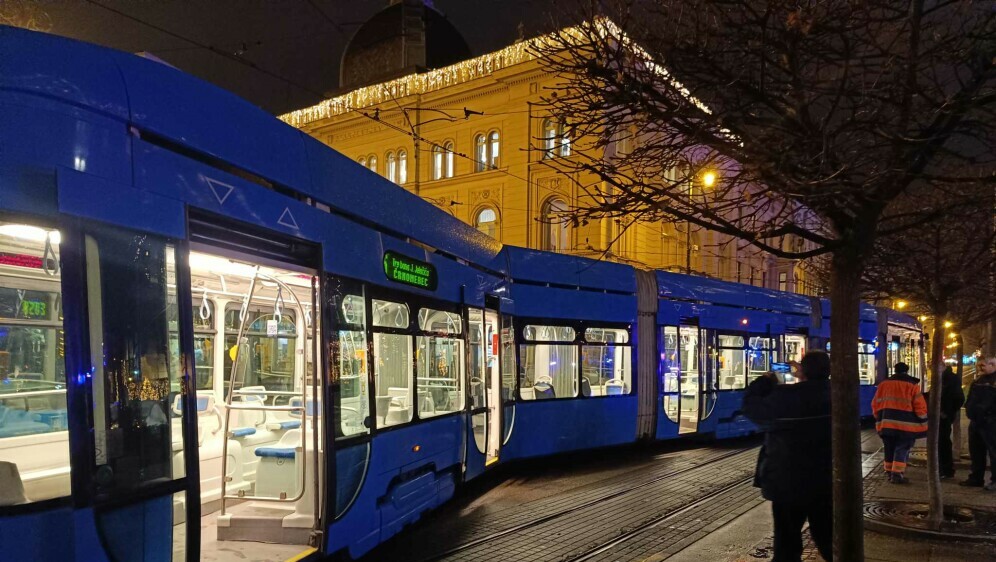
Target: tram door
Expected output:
[485,389]
[691,378]
[683,376]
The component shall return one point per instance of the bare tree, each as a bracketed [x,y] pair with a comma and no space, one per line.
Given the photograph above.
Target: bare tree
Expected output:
[25,13]
[791,125]
[943,270]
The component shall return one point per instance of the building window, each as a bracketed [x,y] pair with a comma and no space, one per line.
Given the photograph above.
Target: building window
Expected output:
[486,151]
[783,281]
[392,166]
[448,154]
[372,163]
[555,139]
[556,233]
[442,161]
[362,161]
[487,222]
[402,167]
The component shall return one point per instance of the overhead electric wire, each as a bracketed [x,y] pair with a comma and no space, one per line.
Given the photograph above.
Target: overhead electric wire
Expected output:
[211,48]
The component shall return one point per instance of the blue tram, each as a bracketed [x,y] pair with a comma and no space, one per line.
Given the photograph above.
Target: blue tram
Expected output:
[218,334]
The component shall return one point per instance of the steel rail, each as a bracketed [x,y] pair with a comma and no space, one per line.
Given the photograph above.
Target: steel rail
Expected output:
[567,511]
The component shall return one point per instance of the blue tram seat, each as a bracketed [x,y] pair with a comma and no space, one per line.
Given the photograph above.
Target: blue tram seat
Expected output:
[543,390]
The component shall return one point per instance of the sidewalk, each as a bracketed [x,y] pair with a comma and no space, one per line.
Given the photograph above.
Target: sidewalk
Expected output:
[748,537]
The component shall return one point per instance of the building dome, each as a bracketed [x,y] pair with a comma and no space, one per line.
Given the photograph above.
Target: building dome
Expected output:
[406,37]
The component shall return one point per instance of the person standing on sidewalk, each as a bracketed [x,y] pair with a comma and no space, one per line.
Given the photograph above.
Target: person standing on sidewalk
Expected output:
[981,411]
[900,419]
[794,465]
[952,399]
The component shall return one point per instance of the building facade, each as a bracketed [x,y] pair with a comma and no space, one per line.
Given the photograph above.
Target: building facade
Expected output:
[472,138]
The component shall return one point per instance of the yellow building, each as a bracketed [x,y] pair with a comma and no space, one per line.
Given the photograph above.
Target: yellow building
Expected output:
[470,136]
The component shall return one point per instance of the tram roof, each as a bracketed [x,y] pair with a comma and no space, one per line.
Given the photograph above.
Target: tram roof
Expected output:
[681,286]
[537,266]
[206,120]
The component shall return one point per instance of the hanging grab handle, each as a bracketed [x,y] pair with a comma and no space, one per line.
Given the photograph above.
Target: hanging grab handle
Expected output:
[49,253]
[205,310]
[278,305]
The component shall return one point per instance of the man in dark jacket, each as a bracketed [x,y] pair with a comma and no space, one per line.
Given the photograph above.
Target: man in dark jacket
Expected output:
[794,466]
[981,411]
[952,399]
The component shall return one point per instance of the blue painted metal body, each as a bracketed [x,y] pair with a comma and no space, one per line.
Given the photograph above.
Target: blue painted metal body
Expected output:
[93,134]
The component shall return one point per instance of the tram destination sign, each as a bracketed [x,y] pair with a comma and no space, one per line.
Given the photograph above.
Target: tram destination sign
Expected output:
[410,271]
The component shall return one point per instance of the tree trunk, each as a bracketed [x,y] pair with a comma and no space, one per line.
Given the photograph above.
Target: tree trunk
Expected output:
[848,497]
[934,495]
[956,422]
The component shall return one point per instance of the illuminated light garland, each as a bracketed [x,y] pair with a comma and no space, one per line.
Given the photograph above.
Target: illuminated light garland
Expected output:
[469,70]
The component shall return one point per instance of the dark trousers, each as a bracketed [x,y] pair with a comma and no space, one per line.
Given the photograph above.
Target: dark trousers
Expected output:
[981,445]
[945,448]
[789,518]
[897,452]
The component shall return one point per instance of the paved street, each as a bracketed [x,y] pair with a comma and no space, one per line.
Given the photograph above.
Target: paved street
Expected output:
[675,501]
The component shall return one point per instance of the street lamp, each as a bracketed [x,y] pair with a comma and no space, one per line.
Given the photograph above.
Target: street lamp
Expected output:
[922,318]
[709,178]
[901,304]
[948,324]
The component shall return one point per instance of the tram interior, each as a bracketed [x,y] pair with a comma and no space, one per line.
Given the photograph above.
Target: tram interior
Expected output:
[34,443]
[262,381]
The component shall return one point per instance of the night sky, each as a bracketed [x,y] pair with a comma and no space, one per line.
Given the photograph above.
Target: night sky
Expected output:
[297,43]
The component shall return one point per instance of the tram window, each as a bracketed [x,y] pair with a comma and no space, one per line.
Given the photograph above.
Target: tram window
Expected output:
[671,372]
[393,378]
[354,398]
[439,321]
[265,360]
[131,292]
[33,419]
[390,314]
[507,359]
[548,371]
[204,342]
[549,333]
[731,362]
[606,335]
[440,375]
[866,363]
[760,353]
[606,370]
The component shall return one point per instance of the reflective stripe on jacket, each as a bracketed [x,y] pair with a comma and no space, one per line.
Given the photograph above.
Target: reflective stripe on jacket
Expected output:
[899,407]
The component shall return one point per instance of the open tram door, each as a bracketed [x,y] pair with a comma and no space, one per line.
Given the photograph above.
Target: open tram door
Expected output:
[258,355]
[491,354]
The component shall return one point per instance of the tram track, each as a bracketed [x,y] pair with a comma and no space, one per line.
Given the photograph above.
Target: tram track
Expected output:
[593,553]
[521,527]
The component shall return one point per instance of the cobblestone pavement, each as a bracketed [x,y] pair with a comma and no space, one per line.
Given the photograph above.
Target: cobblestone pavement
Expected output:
[575,520]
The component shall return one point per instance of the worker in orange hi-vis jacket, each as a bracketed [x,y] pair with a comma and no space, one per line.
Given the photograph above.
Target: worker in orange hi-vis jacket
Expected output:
[900,419]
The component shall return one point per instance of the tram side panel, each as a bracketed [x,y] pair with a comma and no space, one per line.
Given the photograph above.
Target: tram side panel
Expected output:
[576,359]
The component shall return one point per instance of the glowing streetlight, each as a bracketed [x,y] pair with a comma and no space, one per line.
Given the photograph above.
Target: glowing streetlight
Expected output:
[709,178]
[948,324]
[953,335]
[922,318]
[901,305]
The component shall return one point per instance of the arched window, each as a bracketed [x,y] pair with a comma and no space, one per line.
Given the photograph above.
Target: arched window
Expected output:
[437,162]
[442,161]
[392,167]
[372,163]
[402,166]
[494,145]
[555,140]
[556,230]
[487,148]
[480,153]
[363,161]
[487,222]
[448,154]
